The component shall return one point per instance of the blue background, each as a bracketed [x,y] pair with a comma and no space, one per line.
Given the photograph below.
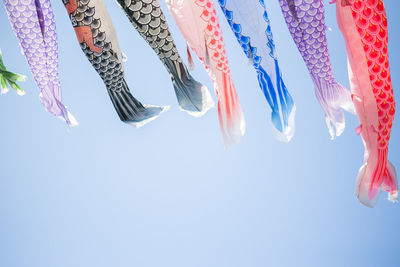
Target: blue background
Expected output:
[168,194]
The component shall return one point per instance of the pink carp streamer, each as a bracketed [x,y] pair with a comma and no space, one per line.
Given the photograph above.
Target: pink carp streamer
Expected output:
[33,24]
[364,27]
[199,24]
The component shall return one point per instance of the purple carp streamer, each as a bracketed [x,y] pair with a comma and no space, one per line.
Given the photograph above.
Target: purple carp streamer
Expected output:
[9,79]
[148,19]
[306,22]
[33,24]
[98,40]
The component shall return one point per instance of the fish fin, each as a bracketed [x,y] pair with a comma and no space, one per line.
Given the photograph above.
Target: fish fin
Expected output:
[190,58]
[359,129]
[391,179]
[193,97]
[230,114]
[72,121]
[334,98]
[281,103]
[371,128]
[355,97]
[130,110]
[376,176]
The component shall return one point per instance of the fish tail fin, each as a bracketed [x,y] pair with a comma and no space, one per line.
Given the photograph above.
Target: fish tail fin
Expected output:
[67,116]
[281,103]
[193,97]
[334,98]
[231,119]
[390,180]
[130,110]
[376,176]
[71,120]
[54,105]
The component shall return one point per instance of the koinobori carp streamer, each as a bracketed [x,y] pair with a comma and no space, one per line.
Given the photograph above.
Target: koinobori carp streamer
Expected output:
[306,22]
[9,79]
[33,24]
[148,19]
[199,24]
[250,23]
[98,40]
[364,27]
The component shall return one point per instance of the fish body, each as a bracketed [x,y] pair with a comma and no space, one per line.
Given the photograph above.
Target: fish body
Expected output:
[250,23]
[148,19]
[33,24]
[98,40]
[364,27]
[306,22]
[199,24]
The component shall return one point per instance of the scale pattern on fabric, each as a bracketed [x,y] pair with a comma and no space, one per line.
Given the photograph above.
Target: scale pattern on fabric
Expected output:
[306,22]
[93,31]
[199,24]
[33,24]
[247,20]
[148,19]
[364,27]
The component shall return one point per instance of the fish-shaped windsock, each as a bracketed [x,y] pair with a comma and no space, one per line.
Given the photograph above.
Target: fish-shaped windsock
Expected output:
[364,27]
[33,24]
[199,24]
[250,23]
[306,22]
[148,19]
[9,79]
[98,40]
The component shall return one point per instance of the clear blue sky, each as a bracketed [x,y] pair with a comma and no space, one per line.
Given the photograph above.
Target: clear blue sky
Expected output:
[168,195]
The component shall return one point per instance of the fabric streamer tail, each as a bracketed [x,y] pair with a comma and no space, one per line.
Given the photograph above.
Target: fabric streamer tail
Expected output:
[193,97]
[374,177]
[281,103]
[34,25]
[98,40]
[230,114]
[333,98]
[148,18]
[130,110]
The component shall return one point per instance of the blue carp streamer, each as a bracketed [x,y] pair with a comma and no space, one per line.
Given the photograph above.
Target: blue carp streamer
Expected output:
[247,19]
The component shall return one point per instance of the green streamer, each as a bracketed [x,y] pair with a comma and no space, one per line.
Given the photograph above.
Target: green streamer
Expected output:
[9,79]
